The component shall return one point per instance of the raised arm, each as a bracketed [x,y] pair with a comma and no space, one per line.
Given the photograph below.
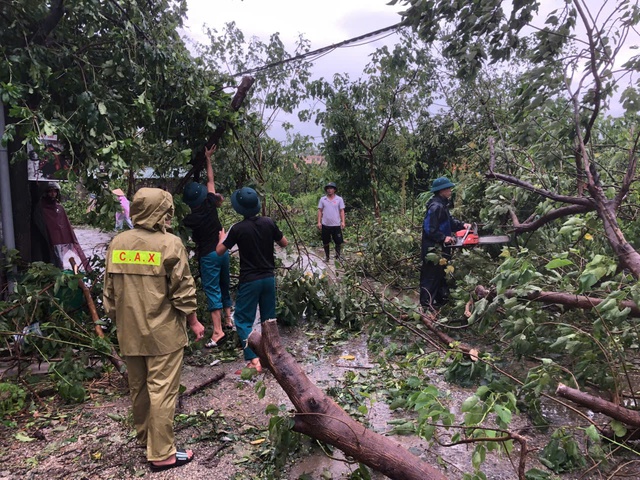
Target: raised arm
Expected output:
[211,186]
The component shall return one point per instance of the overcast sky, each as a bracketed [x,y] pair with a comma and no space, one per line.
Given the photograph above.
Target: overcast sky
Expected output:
[331,21]
[322,23]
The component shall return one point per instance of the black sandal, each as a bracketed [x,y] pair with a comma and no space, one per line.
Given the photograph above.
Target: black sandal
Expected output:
[181,459]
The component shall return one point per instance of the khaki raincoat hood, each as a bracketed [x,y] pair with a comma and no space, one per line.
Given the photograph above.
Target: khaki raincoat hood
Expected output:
[150,207]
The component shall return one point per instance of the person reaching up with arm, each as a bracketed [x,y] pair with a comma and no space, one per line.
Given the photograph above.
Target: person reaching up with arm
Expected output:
[205,228]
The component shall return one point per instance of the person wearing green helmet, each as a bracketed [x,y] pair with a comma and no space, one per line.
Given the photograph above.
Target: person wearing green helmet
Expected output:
[438,229]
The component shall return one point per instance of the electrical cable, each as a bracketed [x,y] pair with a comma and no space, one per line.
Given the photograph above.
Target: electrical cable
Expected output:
[321,51]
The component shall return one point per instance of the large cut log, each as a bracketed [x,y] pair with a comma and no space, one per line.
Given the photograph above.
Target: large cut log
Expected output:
[319,417]
[198,163]
[567,299]
[600,405]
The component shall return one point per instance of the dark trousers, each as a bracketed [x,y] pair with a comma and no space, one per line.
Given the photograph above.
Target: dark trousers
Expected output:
[331,233]
[434,290]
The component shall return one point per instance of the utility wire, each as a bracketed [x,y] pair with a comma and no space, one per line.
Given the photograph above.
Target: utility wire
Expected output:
[323,50]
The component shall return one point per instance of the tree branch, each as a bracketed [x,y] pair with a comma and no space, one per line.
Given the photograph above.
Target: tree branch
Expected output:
[49,24]
[551,216]
[629,175]
[318,416]
[559,298]
[516,182]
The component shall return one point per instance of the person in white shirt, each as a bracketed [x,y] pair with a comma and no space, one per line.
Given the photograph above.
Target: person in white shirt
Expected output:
[331,219]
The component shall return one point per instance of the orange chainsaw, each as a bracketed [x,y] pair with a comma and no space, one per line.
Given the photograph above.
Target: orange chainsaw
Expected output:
[469,237]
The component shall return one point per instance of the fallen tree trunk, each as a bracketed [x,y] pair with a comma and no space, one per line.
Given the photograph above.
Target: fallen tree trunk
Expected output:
[600,405]
[245,84]
[567,299]
[319,417]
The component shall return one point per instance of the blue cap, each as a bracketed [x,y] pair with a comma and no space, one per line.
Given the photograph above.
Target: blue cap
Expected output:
[194,194]
[245,201]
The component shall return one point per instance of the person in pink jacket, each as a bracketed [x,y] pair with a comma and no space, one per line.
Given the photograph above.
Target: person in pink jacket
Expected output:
[122,216]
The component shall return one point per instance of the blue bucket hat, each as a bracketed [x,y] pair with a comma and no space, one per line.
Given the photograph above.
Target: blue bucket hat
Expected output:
[441,183]
[245,201]
[194,194]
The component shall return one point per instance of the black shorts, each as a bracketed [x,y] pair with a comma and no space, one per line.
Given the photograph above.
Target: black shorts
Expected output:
[329,233]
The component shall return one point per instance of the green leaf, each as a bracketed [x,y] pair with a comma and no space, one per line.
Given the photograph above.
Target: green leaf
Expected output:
[557,263]
[469,403]
[592,433]
[22,437]
[618,428]
[503,413]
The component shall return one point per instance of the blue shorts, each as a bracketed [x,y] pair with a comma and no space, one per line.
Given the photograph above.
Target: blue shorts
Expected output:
[214,273]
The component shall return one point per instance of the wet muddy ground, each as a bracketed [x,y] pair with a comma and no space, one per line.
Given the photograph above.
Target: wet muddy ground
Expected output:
[226,424]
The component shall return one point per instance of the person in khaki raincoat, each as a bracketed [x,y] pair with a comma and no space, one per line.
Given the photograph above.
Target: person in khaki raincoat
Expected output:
[150,294]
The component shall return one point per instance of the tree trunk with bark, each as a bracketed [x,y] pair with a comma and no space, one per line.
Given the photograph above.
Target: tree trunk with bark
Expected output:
[198,162]
[566,299]
[319,417]
[600,405]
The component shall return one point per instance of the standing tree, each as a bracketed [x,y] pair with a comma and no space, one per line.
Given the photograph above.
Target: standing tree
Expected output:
[278,88]
[114,82]
[565,174]
[366,123]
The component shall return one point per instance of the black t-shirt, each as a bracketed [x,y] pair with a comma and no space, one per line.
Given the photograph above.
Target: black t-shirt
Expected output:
[205,225]
[254,237]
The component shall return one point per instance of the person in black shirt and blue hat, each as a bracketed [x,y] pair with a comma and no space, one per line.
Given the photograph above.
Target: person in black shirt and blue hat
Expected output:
[438,229]
[255,236]
[205,226]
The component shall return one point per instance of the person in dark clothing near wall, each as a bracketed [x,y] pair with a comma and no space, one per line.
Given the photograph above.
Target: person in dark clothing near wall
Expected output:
[205,229]
[438,229]
[255,236]
[54,240]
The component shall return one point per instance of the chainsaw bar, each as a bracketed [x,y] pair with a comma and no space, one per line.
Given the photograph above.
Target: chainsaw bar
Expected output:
[489,239]
[485,240]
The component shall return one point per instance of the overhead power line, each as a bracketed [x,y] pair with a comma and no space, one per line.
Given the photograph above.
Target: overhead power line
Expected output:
[318,52]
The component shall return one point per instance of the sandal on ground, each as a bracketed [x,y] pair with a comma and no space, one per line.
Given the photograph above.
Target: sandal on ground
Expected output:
[213,344]
[181,459]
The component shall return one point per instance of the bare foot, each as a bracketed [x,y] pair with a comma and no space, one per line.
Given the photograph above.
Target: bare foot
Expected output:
[255,363]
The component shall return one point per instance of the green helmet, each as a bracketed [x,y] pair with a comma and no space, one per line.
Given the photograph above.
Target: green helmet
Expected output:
[331,185]
[441,183]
